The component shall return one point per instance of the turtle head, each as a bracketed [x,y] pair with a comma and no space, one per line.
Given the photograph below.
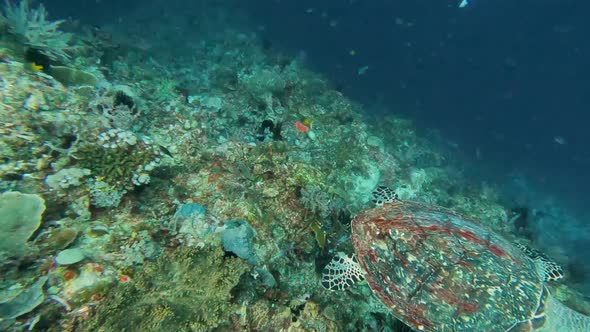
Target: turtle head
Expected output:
[548,269]
[383,194]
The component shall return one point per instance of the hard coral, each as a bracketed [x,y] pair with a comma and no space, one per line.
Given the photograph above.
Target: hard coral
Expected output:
[187,290]
[26,131]
[120,158]
[21,216]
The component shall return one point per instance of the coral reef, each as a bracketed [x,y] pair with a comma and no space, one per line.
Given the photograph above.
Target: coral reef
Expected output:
[195,187]
[188,290]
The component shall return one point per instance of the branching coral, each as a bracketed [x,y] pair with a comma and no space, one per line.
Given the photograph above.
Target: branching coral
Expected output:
[36,31]
[187,290]
[314,198]
[120,158]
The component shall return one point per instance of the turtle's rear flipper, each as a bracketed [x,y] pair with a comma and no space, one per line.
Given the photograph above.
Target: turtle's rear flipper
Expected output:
[342,272]
[551,270]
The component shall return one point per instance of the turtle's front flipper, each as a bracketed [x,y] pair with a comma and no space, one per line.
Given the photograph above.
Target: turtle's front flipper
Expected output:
[342,272]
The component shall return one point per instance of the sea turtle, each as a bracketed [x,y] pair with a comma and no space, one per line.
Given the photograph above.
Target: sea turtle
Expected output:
[439,271]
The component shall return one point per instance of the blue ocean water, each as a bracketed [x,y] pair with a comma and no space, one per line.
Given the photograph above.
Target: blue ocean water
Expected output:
[195,165]
[506,78]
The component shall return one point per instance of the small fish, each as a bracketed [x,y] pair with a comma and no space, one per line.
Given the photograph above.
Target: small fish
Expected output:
[463,3]
[560,140]
[165,151]
[478,153]
[301,127]
[352,52]
[35,67]
[362,70]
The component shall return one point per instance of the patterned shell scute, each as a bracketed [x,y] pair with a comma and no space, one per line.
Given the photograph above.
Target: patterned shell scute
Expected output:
[439,271]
